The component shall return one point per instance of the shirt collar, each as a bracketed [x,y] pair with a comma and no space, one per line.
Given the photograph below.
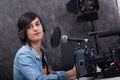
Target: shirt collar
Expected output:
[34,52]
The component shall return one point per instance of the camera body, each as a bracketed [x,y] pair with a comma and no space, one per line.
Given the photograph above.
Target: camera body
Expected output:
[87,62]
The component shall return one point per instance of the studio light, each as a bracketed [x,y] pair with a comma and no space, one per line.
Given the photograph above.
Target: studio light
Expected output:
[88,9]
[88,5]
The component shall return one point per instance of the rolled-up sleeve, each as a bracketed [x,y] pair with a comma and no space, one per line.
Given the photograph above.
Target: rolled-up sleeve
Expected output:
[61,75]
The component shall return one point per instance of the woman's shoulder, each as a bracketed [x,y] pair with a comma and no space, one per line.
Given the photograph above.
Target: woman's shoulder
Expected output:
[24,50]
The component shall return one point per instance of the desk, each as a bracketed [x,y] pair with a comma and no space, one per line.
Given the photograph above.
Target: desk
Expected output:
[99,76]
[90,78]
[114,78]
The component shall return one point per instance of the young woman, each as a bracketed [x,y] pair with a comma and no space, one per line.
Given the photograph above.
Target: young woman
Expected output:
[30,61]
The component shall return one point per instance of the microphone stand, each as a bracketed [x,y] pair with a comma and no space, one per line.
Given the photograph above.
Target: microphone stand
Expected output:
[95,38]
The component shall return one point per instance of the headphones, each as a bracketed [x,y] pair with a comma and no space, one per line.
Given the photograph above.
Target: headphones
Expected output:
[22,36]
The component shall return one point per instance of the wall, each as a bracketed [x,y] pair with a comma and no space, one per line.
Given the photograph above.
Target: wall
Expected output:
[54,14]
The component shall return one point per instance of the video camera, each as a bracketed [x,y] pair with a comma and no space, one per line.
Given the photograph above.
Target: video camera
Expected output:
[87,62]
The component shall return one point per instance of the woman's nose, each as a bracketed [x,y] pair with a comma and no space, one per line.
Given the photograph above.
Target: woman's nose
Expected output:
[35,27]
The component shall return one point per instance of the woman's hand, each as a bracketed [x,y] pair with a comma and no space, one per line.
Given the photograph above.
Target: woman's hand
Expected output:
[51,71]
[71,73]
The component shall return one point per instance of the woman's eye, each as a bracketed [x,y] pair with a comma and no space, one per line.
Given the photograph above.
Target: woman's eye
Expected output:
[29,27]
[37,24]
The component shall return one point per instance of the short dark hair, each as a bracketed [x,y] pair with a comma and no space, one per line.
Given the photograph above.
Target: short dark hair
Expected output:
[23,23]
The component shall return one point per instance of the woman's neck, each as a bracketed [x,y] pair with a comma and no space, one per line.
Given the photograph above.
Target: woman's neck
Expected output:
[37,46]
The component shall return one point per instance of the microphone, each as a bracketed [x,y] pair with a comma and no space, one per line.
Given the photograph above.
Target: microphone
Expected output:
[106,33]
[56,38]
[66,39]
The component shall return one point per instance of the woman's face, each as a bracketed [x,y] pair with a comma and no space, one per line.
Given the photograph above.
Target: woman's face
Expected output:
[35,31]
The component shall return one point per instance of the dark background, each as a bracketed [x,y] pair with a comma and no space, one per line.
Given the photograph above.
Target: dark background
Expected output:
[54,14]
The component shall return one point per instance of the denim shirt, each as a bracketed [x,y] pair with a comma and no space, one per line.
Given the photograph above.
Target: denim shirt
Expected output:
[28,66]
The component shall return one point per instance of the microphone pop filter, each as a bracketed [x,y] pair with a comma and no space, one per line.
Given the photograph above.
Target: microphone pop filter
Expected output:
[55,37]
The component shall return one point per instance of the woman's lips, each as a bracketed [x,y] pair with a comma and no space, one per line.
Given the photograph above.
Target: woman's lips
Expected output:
[36,33]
